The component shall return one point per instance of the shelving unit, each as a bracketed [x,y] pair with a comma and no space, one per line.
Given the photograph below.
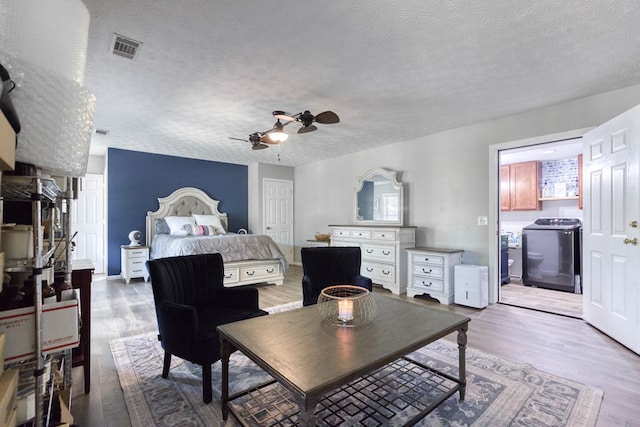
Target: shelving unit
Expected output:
[38,190]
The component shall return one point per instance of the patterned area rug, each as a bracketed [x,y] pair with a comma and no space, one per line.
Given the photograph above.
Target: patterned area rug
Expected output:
[499,392]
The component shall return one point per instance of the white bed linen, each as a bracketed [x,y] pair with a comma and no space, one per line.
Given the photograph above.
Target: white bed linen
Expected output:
[232,246]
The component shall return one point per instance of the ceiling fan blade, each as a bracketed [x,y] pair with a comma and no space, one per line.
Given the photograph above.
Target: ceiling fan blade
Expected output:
[283,115]
[307,129]
[259,146]
[239,139]
[327,118]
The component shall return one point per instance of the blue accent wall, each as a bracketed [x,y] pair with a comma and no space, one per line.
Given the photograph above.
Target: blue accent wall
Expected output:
[136,180]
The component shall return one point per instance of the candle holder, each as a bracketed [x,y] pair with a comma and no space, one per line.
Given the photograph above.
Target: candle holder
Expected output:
[346,305]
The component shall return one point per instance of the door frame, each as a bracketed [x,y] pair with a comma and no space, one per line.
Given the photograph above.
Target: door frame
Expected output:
[494,198]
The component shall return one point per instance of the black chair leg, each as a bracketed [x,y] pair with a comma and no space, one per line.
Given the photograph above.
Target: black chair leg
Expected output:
[206,384]
[167,364]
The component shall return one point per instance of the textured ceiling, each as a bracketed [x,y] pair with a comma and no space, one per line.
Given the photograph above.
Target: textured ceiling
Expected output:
[392,70]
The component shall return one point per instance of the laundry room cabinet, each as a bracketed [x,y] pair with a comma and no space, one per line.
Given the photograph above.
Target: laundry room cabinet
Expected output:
[519,186]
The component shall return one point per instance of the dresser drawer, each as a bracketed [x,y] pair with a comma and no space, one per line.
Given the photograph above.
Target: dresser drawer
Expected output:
[379,252]
[360,234]
[137,253]
[231,275]
[378,273]
[136,266]
[425,284]
[252,272]
[384,235]
[427,259]
[338,232]
[428,270]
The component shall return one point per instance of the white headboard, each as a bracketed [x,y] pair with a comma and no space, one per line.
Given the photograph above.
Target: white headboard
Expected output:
[184,202]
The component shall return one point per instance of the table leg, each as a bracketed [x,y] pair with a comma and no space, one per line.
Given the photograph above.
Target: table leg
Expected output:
[225,352]
[307,413]
[462,359]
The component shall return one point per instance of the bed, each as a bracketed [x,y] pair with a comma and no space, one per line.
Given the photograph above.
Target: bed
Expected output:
[248,258]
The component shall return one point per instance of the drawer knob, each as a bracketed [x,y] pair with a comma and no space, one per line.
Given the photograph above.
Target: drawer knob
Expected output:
[426,259]
[228,277]
[386,252]
[427,284]
[427,271]
[369,269]
[386,273]
[250,273]
[270,270]
[369,251]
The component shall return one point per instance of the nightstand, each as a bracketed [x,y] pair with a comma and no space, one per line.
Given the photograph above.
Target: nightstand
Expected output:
[133,259]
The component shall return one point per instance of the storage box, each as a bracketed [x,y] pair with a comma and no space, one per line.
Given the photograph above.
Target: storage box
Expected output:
[59,329]
[8,396]
[7,145]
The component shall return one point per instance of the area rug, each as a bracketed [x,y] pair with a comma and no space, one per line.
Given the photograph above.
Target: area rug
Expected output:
[499,392]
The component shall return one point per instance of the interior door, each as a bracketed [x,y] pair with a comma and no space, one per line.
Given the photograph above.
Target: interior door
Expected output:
[87,218]
[278,214]
[612,210]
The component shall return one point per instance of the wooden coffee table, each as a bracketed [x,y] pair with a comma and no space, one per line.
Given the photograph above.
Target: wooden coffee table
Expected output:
[310,358]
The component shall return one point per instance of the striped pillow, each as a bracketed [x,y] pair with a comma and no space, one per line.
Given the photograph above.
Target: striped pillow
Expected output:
[200,230]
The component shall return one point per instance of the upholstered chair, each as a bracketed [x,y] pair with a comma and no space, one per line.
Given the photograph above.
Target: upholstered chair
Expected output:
[191,302]
[327,266]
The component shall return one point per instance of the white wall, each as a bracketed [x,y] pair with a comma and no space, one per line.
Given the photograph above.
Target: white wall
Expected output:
[446,174]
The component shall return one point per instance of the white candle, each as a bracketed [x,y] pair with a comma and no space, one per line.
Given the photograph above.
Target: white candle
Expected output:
[345,310]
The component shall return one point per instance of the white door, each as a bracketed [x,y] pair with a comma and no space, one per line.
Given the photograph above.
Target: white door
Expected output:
[278,214]
[611,213]
[87,218]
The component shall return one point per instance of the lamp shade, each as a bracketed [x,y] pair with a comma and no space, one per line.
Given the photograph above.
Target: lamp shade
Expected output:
[277,134]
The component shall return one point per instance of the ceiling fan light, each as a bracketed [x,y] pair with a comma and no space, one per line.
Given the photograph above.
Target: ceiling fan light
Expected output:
[278,134]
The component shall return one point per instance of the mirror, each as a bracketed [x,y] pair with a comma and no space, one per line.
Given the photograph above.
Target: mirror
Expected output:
[379,198]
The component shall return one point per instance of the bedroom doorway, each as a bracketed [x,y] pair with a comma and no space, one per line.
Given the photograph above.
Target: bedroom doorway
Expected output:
[277,212]
[88,221]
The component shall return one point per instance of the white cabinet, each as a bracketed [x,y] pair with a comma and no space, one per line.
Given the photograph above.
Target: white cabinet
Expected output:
[471,285]
[430,271]
[133,261]
[382,249]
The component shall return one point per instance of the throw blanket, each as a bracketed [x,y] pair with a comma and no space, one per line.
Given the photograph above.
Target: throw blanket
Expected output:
[233,247]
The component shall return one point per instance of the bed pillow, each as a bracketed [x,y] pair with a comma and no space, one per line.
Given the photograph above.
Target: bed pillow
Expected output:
[212,220]
[175,224]
[162,227]
[200,230]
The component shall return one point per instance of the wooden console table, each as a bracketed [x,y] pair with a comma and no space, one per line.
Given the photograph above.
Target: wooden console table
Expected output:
[81,278]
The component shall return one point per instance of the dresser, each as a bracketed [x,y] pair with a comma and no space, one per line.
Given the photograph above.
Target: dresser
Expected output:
[133,262]
[383,251]
[430,271]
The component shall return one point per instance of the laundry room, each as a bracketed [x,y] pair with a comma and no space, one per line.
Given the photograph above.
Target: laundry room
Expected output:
[541,224]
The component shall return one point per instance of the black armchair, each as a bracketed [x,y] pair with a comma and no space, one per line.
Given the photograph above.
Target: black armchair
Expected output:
[327,266]
[191,302]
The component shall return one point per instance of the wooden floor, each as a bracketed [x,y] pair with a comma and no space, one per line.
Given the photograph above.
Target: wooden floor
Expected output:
[549,300]
[558,344]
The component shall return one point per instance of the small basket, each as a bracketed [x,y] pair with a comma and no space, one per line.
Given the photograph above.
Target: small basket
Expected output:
[347,305]
[322,237]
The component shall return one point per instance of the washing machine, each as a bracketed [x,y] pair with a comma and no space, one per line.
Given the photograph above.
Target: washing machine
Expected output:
[551,254]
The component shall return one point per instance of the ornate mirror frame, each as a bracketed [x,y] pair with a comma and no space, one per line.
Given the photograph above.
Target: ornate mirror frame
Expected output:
[381,205]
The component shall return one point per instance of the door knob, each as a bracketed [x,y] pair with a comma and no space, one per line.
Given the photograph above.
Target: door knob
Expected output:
[633,241]
[634,224]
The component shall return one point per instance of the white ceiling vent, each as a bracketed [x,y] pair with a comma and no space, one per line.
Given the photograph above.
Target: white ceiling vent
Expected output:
[101,132]
[124,46]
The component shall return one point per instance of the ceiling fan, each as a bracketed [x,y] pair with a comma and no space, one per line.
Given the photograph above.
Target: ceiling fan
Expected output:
[307,119]
[259,140]
[256,139]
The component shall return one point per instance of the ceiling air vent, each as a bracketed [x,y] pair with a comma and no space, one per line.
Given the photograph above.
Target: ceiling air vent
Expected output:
[124,46]
[101,132]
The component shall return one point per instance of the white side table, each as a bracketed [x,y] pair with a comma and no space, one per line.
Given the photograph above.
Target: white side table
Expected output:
[133,259]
